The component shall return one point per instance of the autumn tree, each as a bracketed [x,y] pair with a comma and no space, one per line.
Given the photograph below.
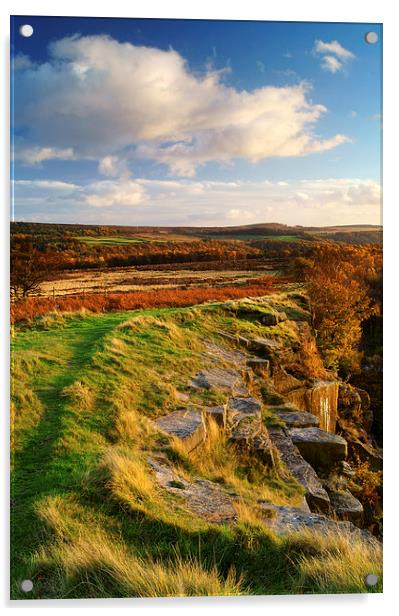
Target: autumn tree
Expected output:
[28,268]
[338,283]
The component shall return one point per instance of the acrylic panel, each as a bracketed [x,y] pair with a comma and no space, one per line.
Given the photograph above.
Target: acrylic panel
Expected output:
[196,304]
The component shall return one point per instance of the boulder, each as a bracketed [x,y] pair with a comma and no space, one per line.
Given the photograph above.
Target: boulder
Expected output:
[297,419]
[346,506]
[186,425]
[320,448]
[286,520]
[316,496]
[219,379]
[238,407]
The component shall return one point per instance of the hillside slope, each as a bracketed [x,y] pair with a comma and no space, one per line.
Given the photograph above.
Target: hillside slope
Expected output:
[181,452]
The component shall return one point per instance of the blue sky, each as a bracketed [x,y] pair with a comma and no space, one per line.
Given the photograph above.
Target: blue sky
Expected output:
[134,121]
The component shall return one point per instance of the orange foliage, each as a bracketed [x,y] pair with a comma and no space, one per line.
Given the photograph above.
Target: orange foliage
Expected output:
[27,309]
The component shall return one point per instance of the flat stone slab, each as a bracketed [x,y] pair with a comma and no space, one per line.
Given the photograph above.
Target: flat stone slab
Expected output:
[298,419]
[187,425]
[238,406]
[320,448]
[286,520]
[346,506]
[220,379]
[204,498]
[316,496]
[220,353]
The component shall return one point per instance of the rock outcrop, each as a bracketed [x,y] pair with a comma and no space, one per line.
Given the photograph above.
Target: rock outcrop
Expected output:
[346,506]
[296,419]
[321,449]
[287,520]
[187,425]
[220,379]
[316,496]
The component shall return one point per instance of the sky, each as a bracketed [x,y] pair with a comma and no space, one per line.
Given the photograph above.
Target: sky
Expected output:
[190,122]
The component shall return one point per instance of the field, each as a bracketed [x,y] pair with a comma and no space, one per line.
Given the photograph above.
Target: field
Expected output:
[131,279]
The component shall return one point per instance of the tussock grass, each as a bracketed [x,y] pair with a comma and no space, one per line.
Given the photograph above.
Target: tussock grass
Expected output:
[127,478]
[80,395]
[334,562]
[97,564]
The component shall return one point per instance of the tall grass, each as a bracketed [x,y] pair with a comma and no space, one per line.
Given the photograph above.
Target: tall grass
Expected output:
[97,564]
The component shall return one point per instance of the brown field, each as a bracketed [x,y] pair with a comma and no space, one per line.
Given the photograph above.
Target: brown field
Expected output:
[130,279]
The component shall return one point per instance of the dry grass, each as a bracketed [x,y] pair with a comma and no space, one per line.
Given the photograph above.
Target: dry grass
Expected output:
[80,395]
[128,479]
[334,562]
[96,564]
[28,309]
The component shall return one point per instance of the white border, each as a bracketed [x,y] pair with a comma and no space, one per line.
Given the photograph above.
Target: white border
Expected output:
[289,10]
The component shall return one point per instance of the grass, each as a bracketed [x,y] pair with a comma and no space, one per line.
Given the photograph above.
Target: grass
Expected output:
[89,520]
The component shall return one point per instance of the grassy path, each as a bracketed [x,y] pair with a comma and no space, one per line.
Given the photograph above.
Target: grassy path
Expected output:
[38,471]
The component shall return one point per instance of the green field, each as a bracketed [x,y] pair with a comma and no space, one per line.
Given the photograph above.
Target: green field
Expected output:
[111,241]
[160,238]
[87,517]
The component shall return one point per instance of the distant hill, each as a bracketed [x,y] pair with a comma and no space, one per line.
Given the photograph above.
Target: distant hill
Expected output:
[357,234]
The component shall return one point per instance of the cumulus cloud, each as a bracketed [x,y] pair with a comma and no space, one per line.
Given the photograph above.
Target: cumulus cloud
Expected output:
[108,193]
[191,202]
[334,56]
[96,97]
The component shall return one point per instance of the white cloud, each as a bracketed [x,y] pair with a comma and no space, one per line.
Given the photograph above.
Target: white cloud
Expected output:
[110,194]
[334,56]
[333,48]
[46,185]
[36,155]
[97,97]
[331,64]
[191,202]
[112,166]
